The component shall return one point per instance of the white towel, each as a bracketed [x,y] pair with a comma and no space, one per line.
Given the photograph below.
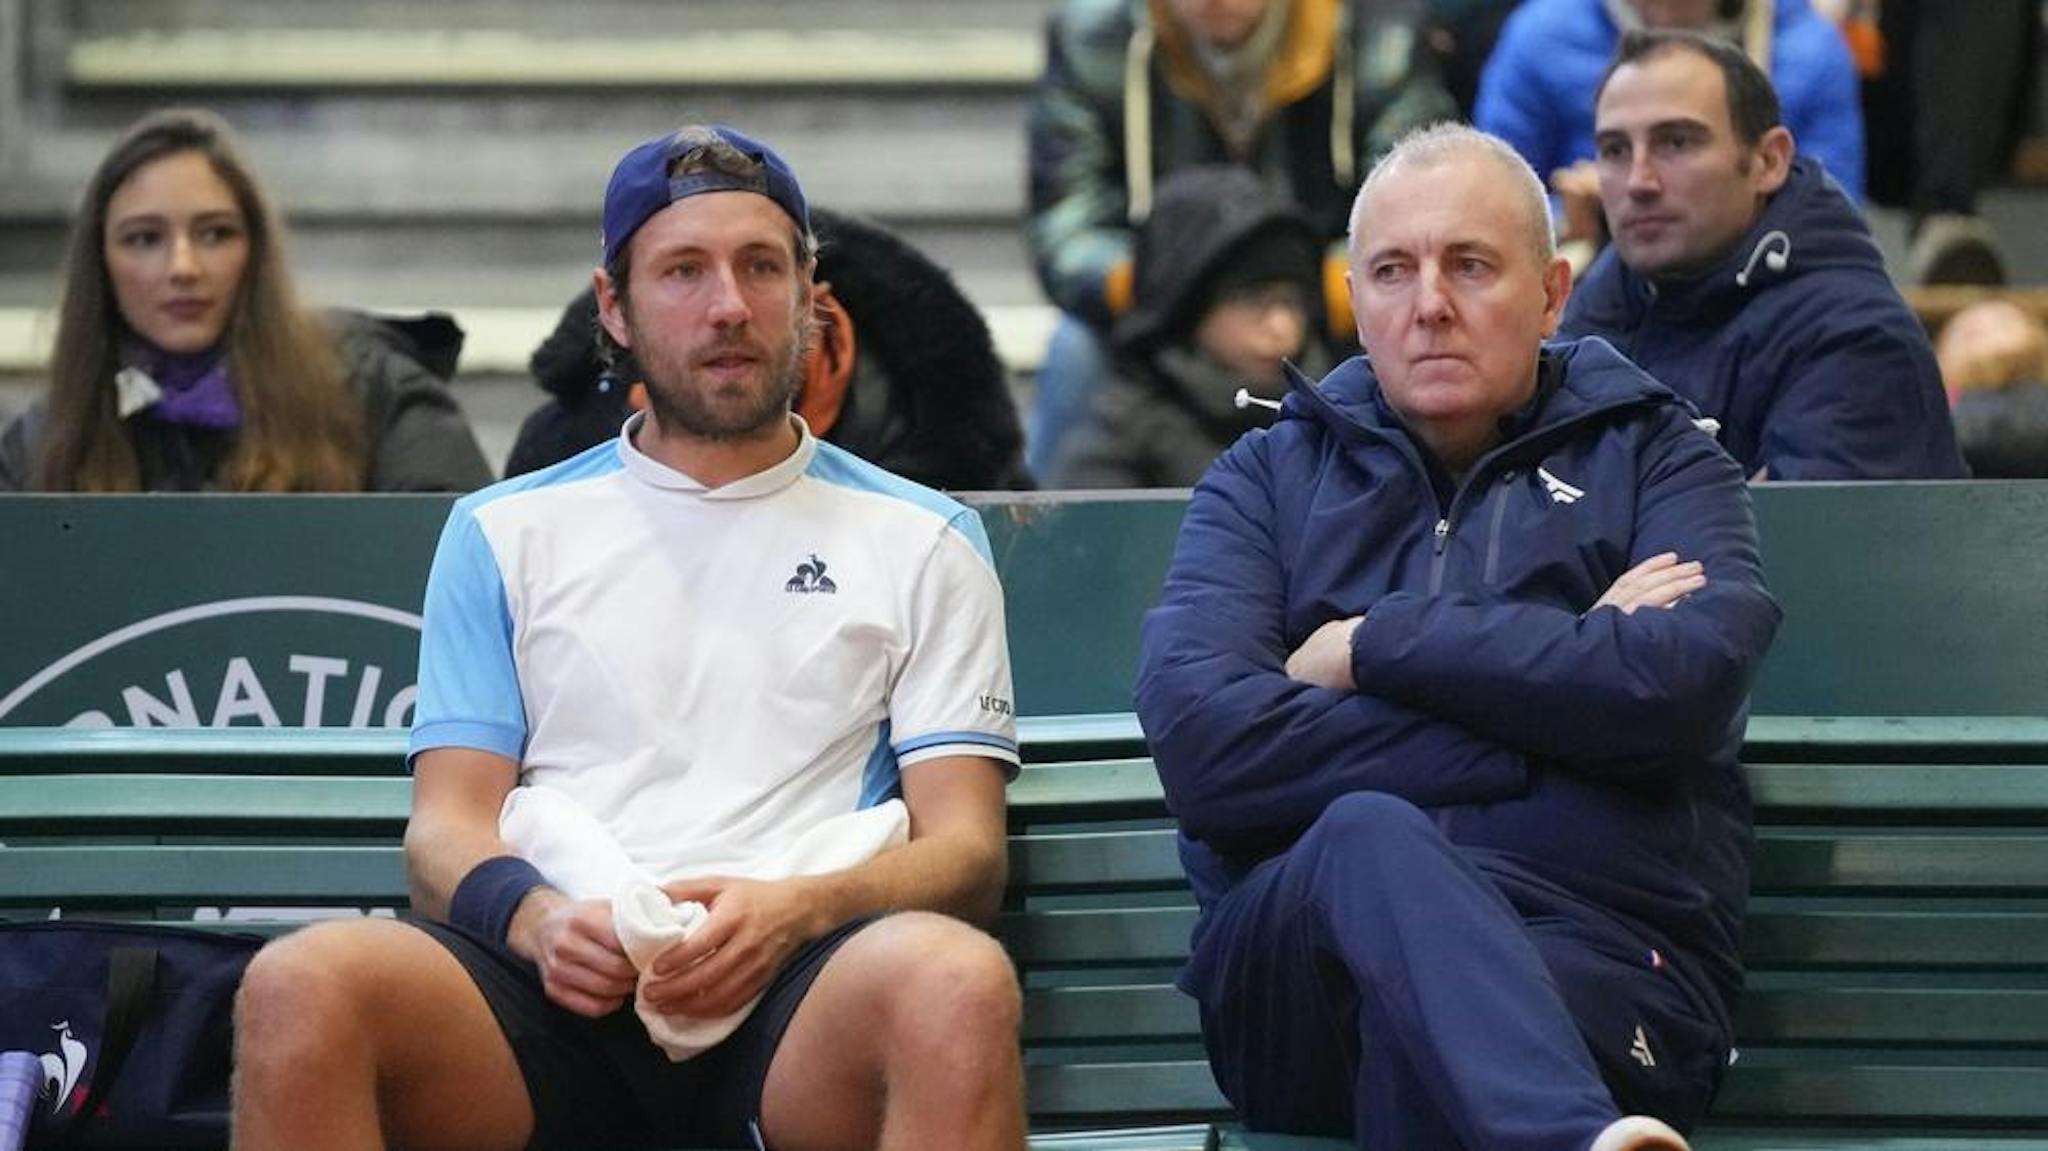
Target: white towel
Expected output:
[578,856]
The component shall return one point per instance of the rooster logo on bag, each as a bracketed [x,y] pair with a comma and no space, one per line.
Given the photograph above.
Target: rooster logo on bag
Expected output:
[62,1069]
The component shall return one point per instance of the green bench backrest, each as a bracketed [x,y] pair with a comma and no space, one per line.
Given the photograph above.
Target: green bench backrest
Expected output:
[1901,599]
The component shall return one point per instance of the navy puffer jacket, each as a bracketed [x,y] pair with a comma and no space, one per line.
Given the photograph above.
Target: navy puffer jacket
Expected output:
[1797,342]
[1585,760]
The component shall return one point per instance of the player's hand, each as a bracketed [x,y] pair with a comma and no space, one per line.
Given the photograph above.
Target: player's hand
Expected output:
[1660,581]
[1324,659]
[753,928]
[582,966]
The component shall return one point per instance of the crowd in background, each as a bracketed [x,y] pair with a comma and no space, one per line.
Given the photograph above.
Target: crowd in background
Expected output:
[1192,165]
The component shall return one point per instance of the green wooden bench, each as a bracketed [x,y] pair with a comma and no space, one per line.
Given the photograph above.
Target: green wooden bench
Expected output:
[1898,940]
[1898,937]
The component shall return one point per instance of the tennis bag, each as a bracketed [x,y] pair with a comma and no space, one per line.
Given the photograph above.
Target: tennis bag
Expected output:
[133,1024]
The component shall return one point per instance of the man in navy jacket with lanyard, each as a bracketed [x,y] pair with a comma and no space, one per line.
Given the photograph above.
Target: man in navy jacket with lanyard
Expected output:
[1446,687]
[1744,278]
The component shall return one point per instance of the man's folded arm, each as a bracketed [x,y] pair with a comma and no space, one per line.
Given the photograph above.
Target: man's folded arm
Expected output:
[1599,687]
[1241,748]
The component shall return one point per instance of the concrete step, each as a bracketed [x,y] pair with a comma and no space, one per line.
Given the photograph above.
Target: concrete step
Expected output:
[583,17]
[502,262]
[525,156]
[499,340]
[461,58]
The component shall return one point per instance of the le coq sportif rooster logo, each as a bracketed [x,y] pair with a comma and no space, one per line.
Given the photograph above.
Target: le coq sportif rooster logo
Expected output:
[810,579]
[62,1067]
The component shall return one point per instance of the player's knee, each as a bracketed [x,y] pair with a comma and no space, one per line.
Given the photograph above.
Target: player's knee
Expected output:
[296,992]
[959,988]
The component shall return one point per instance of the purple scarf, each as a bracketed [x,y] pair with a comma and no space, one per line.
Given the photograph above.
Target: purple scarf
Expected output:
[193,390]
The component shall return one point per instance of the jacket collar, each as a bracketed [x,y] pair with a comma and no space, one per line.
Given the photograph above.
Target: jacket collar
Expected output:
[766,482]
[1577,380]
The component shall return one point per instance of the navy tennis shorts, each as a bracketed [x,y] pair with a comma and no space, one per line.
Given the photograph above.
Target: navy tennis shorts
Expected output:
[596,1081]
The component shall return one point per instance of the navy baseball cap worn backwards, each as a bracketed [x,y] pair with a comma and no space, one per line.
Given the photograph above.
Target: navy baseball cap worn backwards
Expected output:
[641,185]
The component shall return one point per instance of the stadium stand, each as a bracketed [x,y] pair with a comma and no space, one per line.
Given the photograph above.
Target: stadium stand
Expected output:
[450,155]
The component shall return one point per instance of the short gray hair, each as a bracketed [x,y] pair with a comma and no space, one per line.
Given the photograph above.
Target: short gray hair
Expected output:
[1440,142]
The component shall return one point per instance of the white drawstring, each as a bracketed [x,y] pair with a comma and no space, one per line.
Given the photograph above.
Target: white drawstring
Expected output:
[1138,124]
[1775,250]
[1245,399]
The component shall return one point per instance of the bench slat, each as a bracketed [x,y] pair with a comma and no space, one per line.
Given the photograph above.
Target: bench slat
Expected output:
[1948,1007]
[1108,735]
[1740,1138]
[1116,935]
[190,803]
[1898,787]
[1838,1083]
[120,874]
[1821,1084]
[1126,1012]
[1083,860]
[1076,1090]
[204,751]
[1179,1137]
[1796,737]
[2013,863]
[1778,1008]
[1850,933]
[1780,933]
[1092,787]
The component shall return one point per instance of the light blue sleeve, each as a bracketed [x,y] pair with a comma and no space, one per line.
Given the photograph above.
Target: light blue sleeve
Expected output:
[469,684]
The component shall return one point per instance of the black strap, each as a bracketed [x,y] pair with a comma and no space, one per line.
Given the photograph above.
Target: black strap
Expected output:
[131,986]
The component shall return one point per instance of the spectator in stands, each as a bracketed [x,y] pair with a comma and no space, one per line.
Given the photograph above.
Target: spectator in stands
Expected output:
[1745,280]
[1445,688]
[1994,361]
[904,373]
[183,361]
[1947,106]
[626,631]
[1537,90]
[1462,33]
[1304,92]
[1229,284]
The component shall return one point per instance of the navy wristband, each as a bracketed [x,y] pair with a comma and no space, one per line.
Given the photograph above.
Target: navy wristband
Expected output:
[487,897]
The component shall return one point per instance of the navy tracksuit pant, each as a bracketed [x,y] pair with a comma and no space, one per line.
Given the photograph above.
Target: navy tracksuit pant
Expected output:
[1372,981]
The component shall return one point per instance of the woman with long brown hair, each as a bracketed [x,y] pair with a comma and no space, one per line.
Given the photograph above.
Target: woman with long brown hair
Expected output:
[183,360]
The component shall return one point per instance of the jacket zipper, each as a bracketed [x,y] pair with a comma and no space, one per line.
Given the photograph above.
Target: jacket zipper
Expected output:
[1436,559]
[1447,522]
[1442,531]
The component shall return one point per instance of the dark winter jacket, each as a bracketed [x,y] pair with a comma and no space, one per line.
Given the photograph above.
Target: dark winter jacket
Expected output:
[1797,342]
[2004,431]
[1537,89]
[1156,423]
[1117,75]
[397,366]
[929,398]
[1583,759]
[1166,410]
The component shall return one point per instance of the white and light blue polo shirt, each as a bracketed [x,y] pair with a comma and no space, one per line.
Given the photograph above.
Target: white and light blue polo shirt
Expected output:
[713,672]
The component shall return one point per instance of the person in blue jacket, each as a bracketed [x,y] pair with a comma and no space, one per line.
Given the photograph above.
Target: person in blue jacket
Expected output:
[1445,689]
[1536,91]
[1742,277]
